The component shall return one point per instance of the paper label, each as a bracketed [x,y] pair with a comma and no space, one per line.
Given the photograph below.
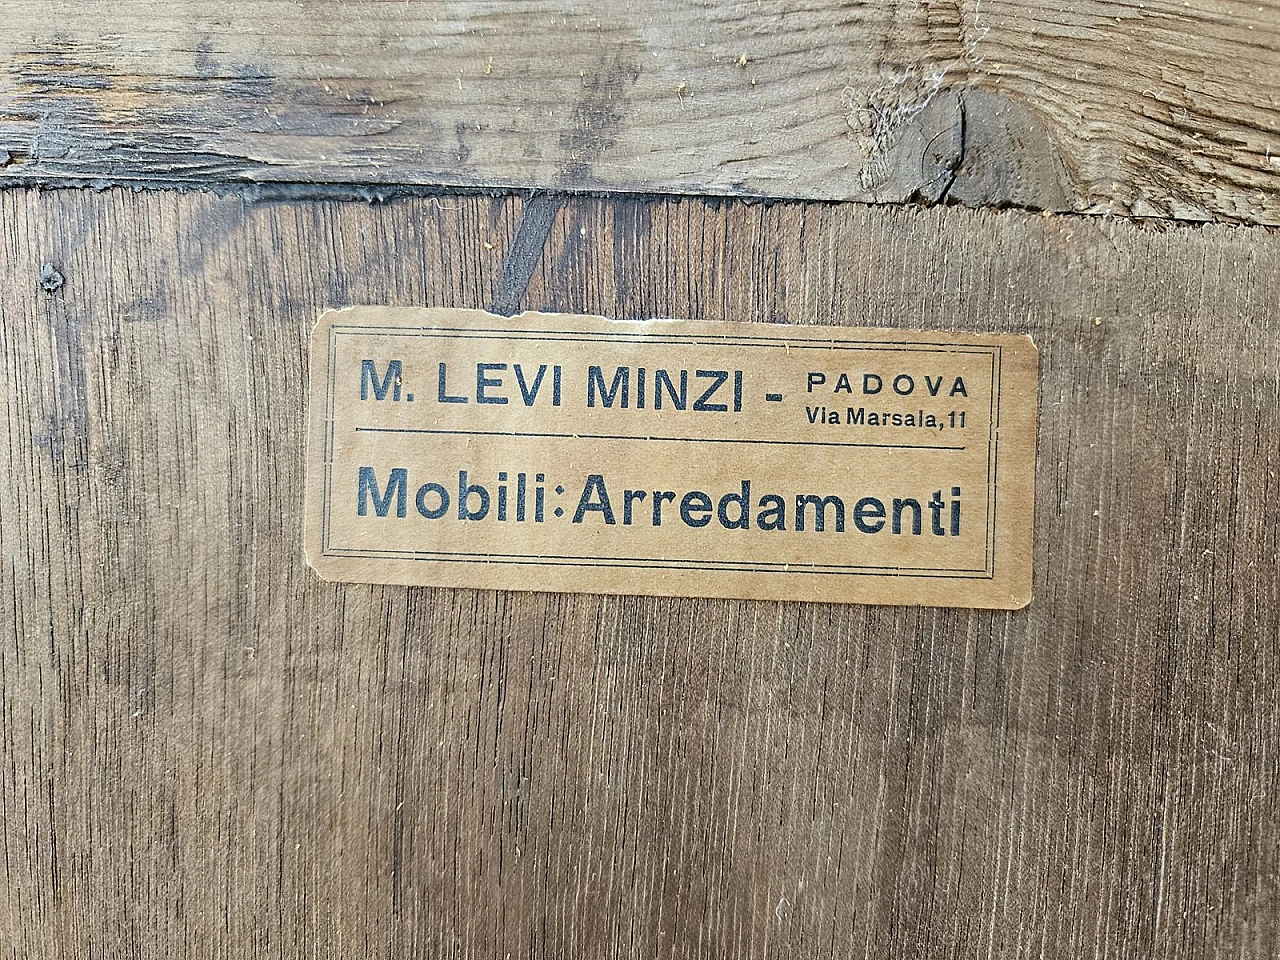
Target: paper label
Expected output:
[671,457]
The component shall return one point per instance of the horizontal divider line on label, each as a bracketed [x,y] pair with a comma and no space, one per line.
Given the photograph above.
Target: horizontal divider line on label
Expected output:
[608,436]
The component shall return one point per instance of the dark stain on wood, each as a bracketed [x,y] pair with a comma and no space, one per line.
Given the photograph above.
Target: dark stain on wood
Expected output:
[598,117]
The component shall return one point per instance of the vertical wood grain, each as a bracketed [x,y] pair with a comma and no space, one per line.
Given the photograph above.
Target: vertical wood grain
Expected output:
[207,752]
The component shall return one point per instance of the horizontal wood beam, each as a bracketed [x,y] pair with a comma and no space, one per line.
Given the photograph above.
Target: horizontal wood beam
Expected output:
[1161,108]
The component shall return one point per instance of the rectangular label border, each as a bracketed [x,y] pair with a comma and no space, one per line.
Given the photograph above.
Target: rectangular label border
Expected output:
[668,339]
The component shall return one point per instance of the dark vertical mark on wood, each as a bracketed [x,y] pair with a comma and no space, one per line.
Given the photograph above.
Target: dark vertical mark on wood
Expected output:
[536,219]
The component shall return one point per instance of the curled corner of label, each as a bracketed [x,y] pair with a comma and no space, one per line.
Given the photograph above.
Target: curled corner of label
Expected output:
[326,318]
[329,311]
[315,567]
[1030,342]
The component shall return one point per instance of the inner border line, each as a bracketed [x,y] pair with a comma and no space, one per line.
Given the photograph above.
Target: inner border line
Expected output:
[701,565]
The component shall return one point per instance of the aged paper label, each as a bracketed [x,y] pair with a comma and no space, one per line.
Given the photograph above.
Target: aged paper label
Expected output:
[671,457]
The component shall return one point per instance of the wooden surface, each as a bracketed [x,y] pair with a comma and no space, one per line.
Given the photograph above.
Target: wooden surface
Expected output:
[1161,108]
[208,752]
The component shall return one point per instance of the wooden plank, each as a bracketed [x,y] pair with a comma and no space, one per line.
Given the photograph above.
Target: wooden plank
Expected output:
[208,752]
[1159,108]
